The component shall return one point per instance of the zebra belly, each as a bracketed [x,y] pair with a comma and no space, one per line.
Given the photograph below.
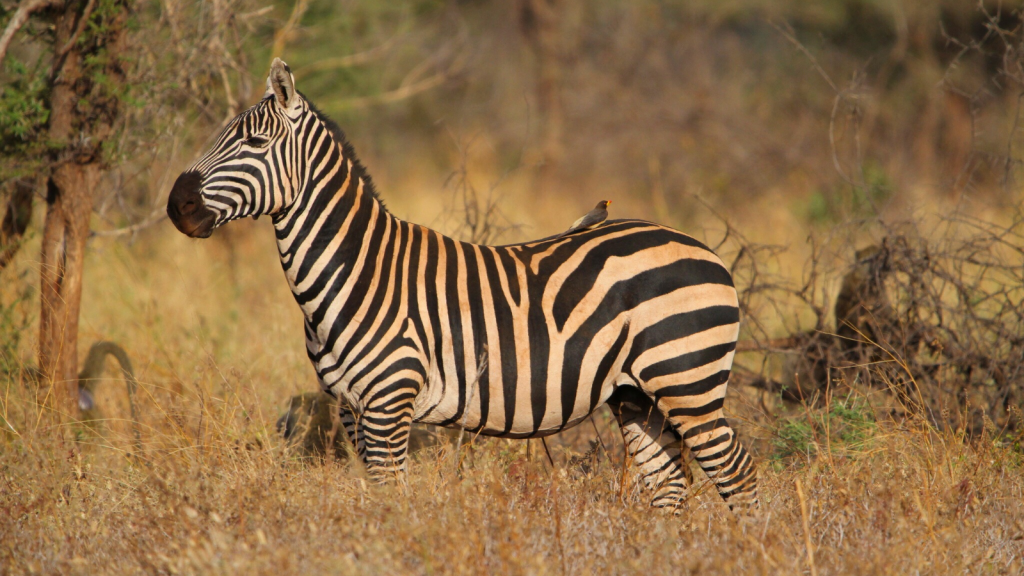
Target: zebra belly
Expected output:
[438,404]
[501,432]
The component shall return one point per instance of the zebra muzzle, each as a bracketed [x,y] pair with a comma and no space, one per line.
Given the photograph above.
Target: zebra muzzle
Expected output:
[186,209]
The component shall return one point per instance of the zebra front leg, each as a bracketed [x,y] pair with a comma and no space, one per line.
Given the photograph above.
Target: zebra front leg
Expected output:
[653,446]
[383,430]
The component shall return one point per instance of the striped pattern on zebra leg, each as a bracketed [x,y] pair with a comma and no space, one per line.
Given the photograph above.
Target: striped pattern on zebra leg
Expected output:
[722,457]
[694,408]
[653,446]
[688,374]
[350,426]
[384,427]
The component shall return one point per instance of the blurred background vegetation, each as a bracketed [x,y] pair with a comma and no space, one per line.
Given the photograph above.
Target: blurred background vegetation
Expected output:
[821,111]
[835,109]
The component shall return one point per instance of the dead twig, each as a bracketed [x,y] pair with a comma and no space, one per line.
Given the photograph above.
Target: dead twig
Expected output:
[83,20]
[349,60]
[155,217]
[551,460]
[398,94]
[284,33]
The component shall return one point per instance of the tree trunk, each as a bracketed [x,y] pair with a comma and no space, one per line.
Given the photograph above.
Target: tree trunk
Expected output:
[69,201]
[69,206]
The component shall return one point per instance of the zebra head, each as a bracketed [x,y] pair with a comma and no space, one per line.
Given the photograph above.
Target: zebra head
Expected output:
[246,172]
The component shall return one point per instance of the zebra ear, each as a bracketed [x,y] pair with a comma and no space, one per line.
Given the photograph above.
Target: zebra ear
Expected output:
[281,83]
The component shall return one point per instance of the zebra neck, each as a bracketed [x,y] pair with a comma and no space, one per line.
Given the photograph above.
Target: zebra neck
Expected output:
[329,238]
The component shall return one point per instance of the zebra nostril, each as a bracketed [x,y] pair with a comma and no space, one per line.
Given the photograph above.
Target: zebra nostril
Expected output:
[184,200]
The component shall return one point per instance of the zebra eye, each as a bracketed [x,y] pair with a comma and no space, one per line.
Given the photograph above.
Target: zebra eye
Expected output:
[256,141]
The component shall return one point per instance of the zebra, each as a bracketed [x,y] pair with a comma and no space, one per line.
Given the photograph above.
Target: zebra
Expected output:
[517,341]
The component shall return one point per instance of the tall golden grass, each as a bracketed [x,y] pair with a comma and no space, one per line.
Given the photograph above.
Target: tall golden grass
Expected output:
[212,493]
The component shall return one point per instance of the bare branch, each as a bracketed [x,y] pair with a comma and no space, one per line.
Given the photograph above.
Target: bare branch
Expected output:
[788,34]
[25,9]
[397,94]
[82,21]
[350,60]
[156,216]
[255,13]
[284,33]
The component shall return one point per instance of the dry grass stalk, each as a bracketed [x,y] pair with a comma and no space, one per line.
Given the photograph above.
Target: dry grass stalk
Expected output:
[807,528]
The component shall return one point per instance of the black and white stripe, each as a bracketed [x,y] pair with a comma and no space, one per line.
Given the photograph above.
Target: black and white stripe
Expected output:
[518,341]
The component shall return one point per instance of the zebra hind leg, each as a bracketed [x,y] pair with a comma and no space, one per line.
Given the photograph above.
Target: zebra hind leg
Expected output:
[716,449]
[350,427]
[653,446]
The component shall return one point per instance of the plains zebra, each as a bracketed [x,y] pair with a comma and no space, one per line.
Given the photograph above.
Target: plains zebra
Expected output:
[515,341]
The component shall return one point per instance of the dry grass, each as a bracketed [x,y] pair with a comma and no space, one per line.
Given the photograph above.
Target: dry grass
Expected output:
[207,502]
[217,346]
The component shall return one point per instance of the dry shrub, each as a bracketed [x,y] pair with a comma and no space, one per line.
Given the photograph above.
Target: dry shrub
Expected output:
[933,312]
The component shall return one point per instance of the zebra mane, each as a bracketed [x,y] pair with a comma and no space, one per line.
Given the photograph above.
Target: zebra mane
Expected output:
[347,150]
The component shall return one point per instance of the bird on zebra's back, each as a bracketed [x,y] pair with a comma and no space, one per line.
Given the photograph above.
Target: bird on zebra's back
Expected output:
[589,220]
[405,324]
